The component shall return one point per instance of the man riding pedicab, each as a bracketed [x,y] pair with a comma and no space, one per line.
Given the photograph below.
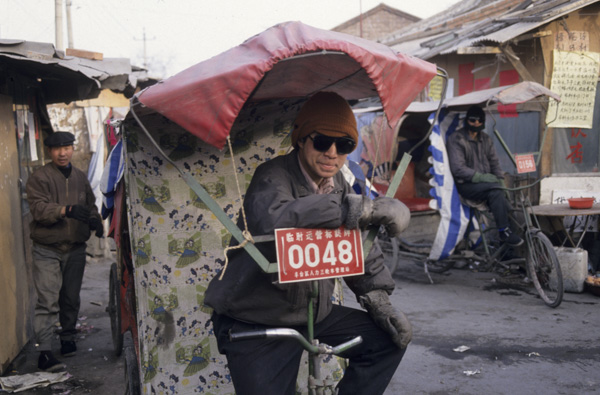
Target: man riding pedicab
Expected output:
[305,189]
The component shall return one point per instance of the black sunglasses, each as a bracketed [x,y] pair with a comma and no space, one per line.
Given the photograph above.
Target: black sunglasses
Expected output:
[475,119]
[343,145]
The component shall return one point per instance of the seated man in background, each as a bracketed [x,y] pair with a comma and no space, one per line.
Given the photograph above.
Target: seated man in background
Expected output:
[476,170]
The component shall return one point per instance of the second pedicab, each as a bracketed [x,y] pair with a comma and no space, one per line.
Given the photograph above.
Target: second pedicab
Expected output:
[466,232]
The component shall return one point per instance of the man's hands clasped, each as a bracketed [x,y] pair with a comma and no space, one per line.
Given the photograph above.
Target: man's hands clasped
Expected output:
[394,322]
[83,214]
[484,177]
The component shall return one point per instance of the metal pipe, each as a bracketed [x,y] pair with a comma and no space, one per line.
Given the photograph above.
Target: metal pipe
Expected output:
[58,24]
[444,75]
[69,25]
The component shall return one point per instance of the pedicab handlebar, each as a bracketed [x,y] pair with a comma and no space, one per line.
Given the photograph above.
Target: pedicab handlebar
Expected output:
[318,348]
[520,188]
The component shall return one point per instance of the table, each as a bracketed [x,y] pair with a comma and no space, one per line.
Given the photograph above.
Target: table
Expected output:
[555,214]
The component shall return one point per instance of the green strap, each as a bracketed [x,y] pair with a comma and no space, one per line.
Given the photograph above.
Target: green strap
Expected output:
[250,248]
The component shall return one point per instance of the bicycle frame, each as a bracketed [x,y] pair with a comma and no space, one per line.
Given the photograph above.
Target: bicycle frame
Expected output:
[317,385]
[540,261]
[524,228]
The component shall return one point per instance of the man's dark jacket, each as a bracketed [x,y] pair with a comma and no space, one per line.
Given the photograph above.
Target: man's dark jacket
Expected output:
[279,196]
[48,191]
[467,156]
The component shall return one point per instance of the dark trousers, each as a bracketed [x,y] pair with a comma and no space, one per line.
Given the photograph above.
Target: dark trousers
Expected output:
[270,366]
[491,195]
[57,277]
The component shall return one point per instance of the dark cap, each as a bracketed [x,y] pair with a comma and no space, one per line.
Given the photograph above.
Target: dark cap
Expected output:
[476,111]
[59,139]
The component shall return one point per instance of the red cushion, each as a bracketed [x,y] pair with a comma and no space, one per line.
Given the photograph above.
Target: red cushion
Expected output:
[416,204]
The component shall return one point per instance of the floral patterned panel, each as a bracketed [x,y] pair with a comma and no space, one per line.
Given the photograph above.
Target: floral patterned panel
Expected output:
[179,243]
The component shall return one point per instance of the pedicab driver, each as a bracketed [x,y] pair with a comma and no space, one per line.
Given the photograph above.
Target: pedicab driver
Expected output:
[476,169]
[305,189]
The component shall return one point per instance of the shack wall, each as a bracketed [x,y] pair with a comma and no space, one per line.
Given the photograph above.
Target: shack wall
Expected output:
[14,283]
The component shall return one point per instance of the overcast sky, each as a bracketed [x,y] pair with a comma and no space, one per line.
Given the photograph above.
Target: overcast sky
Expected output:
[181,33]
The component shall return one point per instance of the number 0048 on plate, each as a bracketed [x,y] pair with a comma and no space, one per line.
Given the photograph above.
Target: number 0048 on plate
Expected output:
[312,254]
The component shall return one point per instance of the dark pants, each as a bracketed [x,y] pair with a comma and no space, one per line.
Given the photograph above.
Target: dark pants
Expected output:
[57,278]
[270,366]
[491,195]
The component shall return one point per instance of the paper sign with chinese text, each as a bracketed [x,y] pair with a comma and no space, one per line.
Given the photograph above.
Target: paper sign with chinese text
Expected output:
[312,254]
[574,78]
[525,163]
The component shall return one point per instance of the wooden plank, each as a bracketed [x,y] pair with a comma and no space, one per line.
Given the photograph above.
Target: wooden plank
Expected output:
[516,62]
[478,50]
[543,33]
[80,53]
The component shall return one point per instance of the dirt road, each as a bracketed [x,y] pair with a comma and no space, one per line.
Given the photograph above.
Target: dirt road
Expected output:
[95,368]
[516,344]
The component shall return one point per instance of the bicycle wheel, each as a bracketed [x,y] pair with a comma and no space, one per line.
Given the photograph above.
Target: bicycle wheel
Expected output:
[114,310]
[543,268]
[132,374]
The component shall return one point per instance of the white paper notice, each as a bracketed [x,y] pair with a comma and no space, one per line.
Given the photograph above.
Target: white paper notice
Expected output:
[31,132]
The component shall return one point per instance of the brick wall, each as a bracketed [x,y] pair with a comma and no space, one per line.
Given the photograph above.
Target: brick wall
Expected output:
[376,23]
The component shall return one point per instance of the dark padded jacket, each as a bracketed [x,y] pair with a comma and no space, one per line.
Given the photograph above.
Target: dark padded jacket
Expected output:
[48,191]
[279,197]
[467,156]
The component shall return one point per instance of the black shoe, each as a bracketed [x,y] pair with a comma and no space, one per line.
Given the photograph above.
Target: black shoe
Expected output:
[48,363]
[508,237]
[68,348]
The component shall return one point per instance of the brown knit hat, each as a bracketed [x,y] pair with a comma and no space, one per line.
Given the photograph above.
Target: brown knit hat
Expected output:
[327,113]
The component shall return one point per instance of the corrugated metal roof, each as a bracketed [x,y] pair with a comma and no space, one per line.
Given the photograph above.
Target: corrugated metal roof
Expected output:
[516,93]
[474,21]
[67,78]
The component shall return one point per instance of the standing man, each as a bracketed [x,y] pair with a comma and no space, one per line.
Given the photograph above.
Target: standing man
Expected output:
[477,173]
[305,189]
[63,208]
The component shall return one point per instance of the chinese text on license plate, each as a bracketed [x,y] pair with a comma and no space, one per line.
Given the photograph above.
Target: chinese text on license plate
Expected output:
[311,254]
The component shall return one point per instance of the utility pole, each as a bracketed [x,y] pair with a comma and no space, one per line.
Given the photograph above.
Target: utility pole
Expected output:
[58,24]
[69,25]
[145,39]
[145,57]
[361,17]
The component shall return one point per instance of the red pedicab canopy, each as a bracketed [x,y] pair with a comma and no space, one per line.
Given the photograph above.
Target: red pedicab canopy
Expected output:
[289,60]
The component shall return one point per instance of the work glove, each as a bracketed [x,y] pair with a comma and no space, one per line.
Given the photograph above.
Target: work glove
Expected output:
[389,212]
[96,224]
[394,322]
[484,177]
[78,212]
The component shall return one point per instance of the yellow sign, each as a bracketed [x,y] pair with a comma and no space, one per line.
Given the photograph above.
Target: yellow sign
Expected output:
[435,88]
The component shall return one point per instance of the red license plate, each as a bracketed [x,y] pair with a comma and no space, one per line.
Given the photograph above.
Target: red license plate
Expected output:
[312,254]
[525,163]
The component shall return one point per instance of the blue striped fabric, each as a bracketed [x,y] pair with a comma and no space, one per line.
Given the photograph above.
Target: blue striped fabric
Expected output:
[113,171]
[454,216]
